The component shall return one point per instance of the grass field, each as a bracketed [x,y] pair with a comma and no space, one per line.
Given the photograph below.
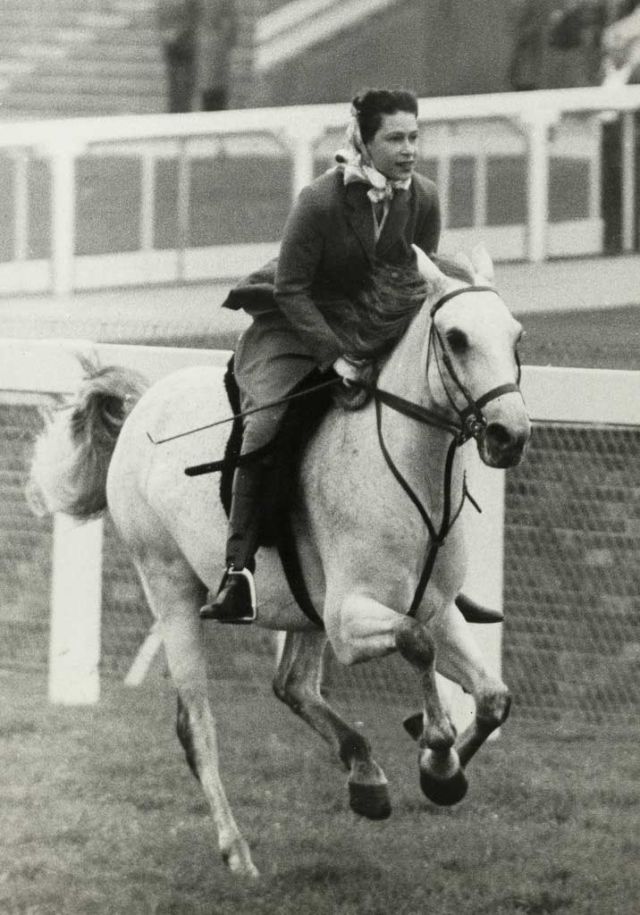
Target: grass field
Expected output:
[100,815]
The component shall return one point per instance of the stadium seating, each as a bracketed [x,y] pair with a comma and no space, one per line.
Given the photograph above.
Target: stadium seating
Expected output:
[79,57]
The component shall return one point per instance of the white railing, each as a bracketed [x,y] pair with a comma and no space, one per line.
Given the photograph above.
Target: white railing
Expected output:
[35,368]
[536,125]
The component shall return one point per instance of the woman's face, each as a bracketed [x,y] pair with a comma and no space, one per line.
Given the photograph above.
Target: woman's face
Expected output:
[393,149]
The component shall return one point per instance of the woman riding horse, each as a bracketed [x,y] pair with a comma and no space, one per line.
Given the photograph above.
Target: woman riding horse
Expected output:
[372,206]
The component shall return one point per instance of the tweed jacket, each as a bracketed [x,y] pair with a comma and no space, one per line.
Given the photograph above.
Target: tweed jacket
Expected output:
[328,251]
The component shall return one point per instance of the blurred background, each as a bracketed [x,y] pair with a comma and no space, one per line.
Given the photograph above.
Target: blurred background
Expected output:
[100,57]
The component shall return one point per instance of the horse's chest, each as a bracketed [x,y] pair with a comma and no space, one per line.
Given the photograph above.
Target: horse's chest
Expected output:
[349,493]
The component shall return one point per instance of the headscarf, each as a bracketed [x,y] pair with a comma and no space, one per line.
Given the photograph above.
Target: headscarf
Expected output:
[357,166]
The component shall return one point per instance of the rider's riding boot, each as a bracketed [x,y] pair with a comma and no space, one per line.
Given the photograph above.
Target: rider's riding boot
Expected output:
[236,598]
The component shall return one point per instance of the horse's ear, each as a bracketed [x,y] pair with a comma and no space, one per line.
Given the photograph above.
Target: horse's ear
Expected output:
[464,262]
[426,268]
[482,263]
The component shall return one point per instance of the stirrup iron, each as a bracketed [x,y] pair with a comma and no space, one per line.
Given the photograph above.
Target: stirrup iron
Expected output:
[245,579]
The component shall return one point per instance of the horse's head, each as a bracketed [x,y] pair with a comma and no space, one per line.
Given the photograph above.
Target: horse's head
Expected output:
[472,359]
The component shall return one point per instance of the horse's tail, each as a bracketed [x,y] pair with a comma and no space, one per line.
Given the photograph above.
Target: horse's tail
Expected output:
[72,454]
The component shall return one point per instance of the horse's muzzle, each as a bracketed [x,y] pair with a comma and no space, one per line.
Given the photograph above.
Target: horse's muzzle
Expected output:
[502,447]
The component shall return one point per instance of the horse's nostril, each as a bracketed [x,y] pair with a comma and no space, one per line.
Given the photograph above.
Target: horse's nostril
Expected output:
[499,436]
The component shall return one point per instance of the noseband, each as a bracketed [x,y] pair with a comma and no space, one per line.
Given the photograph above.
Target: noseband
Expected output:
[472,419]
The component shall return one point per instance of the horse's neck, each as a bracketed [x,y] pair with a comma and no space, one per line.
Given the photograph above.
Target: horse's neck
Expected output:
[422,448]
[405,371]
[418,450]
[406,374]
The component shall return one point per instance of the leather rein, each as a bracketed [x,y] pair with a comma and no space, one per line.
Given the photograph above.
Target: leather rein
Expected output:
[469,423]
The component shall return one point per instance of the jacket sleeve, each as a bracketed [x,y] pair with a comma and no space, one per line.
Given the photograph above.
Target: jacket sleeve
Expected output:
[429,224]
[300,257]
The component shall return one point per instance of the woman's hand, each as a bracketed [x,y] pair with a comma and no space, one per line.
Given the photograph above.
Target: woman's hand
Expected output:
[348,371]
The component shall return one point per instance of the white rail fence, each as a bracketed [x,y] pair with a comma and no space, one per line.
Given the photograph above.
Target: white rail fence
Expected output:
[36,368]
[475,130]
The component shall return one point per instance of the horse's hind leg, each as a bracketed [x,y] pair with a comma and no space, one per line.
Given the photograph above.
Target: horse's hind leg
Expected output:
[175,594]
[297,683]
[461,661]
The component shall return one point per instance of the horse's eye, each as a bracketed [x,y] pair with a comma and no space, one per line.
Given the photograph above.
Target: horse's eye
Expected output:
[458,341]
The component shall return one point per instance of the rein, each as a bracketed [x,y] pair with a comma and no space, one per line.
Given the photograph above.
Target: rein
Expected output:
[471,423]
[437,536]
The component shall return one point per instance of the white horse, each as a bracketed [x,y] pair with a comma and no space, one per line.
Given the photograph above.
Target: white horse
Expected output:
[382,572]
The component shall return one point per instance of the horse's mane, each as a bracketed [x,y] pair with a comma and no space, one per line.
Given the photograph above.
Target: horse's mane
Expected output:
[381,313]
[372,324]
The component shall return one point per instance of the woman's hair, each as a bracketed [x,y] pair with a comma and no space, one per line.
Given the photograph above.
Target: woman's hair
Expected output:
[370,105]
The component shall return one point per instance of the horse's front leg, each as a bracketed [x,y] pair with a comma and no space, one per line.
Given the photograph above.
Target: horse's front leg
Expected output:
[362,628]
[460,660]
[297,683]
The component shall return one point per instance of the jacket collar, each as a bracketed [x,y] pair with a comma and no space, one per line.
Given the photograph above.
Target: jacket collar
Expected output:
[360,217]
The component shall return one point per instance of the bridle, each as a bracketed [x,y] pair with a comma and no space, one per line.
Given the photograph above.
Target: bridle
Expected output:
[471,417]
[470,423]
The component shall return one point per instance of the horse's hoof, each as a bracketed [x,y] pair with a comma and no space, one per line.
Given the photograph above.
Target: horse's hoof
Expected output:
[444,792]
[370,801]
[238,859]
